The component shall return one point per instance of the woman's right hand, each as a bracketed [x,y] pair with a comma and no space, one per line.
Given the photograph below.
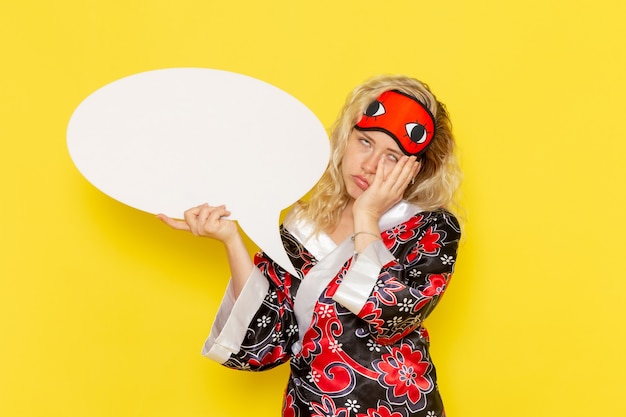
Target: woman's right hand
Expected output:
[209,221]
[205,221]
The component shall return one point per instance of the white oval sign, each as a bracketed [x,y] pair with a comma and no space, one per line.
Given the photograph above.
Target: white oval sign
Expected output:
[166,140]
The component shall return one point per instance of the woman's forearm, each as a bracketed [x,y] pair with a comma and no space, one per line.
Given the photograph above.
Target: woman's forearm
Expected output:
[239,262]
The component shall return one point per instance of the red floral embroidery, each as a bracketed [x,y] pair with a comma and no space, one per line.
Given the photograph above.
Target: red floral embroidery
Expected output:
[270,357]
[288,407]
[371,314]
[389,286]
[328,408]
[429,243]
[402,232]
[309,261]
[403,373]
[436,285]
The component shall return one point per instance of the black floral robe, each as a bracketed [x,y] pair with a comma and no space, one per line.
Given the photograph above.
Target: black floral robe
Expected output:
[350,326]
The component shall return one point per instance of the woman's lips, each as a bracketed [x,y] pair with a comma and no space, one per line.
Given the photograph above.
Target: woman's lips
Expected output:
[361,182]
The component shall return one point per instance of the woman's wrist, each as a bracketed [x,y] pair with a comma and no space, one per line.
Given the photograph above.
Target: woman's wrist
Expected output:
[366,231]
[376,235]
[365,221]
[239,262]
[363,240]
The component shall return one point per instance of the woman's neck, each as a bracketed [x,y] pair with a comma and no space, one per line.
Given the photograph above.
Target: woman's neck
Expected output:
[345,226]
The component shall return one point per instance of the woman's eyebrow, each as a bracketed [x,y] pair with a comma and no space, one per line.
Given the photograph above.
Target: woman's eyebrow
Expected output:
[367,136]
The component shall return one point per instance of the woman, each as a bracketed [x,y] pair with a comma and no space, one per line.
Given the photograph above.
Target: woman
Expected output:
[374,248]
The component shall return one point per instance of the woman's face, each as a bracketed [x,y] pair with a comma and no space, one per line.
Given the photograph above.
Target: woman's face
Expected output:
[360,159]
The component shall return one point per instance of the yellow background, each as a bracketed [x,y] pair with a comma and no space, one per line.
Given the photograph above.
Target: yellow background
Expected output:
[103,310]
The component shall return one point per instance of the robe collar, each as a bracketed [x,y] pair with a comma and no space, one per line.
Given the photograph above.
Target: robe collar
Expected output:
[320,244]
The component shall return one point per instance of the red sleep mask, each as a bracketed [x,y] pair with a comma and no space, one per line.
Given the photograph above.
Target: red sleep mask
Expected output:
[403,118]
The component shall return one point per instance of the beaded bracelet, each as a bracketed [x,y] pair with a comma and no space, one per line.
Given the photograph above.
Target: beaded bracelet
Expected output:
[366,233]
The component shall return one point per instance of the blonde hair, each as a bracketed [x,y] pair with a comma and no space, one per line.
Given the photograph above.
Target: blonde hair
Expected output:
[439,176]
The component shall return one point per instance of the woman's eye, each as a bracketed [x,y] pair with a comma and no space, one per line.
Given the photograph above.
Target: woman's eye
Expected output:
[365,142]
[392,158]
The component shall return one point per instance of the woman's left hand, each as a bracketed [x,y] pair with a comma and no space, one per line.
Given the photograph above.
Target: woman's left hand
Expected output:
[387,189]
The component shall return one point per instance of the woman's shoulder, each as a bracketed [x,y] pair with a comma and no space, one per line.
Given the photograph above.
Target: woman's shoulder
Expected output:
[406,211]
[439,214]
[303,230]
[440,219]
[414,217]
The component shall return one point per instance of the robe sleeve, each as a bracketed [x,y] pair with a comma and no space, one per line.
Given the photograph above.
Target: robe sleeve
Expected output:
[394,295]
[256,330]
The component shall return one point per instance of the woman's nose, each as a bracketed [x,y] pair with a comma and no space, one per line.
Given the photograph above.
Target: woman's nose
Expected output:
[370,164]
